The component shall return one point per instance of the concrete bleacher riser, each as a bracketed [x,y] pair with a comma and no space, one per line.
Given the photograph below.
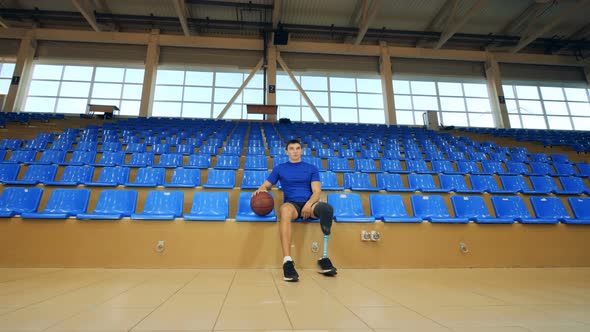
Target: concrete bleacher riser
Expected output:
[129,243]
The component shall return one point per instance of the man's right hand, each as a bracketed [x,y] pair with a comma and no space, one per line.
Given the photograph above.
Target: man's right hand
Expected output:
[259,191]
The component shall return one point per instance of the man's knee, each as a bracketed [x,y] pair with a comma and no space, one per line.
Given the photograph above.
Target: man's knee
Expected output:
[288,212]
[323,209]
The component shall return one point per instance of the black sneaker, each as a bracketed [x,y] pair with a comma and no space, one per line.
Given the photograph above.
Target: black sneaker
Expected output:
[326,267]
[289,272]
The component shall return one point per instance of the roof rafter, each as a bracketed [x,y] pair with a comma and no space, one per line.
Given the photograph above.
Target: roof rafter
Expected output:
[86,8]
[451,29]
[181,11]
[368,15]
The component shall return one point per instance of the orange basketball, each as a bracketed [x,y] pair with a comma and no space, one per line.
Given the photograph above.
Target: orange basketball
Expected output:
[262,203]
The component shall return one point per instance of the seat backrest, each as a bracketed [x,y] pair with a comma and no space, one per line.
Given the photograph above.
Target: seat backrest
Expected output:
[117,201]
[328,179]
[253,178]
[516,167]
[221,177]
[164,202]
[387,206]
[483,182]
[142,159]
[118,175]
[150,175]
[188,176]
[539,157]
[564,169]
[452,182]
[256,162]
[573,183]
[8,172]
[492,167]
[416,165]
[18,200]
[356,180]
[580,207]
[364,164]
[346,205]
[170,160]
[465,166]
[540,168]
[52,156]
[111,146]
[514,182]
[429,206]
[160,148]
[135,147]
[559,158]
[442,166]
[71,201]
[82,157]
[22,156]
[549,207]
[470,207]
[79,174]
[510,207]
[338,164]
[112,158]
[210,204]
[391,165]
[421,181]
[227,162]
[543,183]
[40,173]
[199,161]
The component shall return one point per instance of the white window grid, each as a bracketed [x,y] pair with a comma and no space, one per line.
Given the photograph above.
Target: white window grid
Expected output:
[517,112]
[89,99]
[417,114]
[214,107]
[6,71]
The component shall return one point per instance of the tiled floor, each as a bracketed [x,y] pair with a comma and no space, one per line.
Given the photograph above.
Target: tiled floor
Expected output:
[433,300]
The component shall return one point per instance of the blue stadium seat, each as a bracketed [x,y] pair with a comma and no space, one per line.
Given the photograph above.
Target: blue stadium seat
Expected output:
[62,144]
[417,166]
[412,154]
[329,181]
[326,153]
[317,162]
[443,166]
[358,182]
[366,165]
[81,158]
[391,182]
[559,158]
[581,209]
[512,207]
[543,185]
[549,210]
[135,148]
[245,212]
[161,205]
[111,146]
[540,168]
[112,205]
[583,169]
[185,149]
[111,158]
[492,167]
[518,157]
[433,209]
[9,172]
[227,162]
[16,200]
[49,157]
[252,179]
[424,183]
[141,159]
[390,208]
[538,157]
[232,150]
[148,177]
[516,168]
[209,206]
[73,176]
[36,174]
[185,178]
[564,169]
[456,183]
[336,164]
[198,161]
[111,177]
[433,155]
[255,151]
[63,203]
[474,208]
[160,148]
[21,156]
[488,184]
[515,184]
[170,160]
[456,155]
[572,185]
[347,153]
[392,166]
[256,162]
[348,208]
[392,154]
[467,167]
[220,178]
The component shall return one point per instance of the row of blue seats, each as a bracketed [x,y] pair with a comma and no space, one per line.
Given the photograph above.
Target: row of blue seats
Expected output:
[214,206]
[251,179]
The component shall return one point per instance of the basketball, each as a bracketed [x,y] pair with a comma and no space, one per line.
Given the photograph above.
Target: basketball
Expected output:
[262,203]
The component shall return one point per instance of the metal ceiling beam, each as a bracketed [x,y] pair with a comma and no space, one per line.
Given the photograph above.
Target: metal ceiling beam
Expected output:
[524,20]
[525,40]
[277,12]
[451,29]
[181,11]
[87,10]
[446,12]
[229,4]
[368,16]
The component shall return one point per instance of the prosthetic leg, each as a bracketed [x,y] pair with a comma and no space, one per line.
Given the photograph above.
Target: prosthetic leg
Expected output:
[325,212]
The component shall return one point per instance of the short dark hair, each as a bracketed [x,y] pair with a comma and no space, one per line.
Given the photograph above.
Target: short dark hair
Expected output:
[293,141]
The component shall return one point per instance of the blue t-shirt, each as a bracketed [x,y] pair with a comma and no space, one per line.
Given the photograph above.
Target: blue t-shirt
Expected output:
[296,179]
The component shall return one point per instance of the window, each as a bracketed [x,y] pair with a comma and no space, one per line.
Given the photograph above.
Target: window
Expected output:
[458,104]
[6,70]
[337,99]
[69,89]
[543,107]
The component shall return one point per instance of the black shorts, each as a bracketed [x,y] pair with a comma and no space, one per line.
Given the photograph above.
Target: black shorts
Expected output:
[298,206]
